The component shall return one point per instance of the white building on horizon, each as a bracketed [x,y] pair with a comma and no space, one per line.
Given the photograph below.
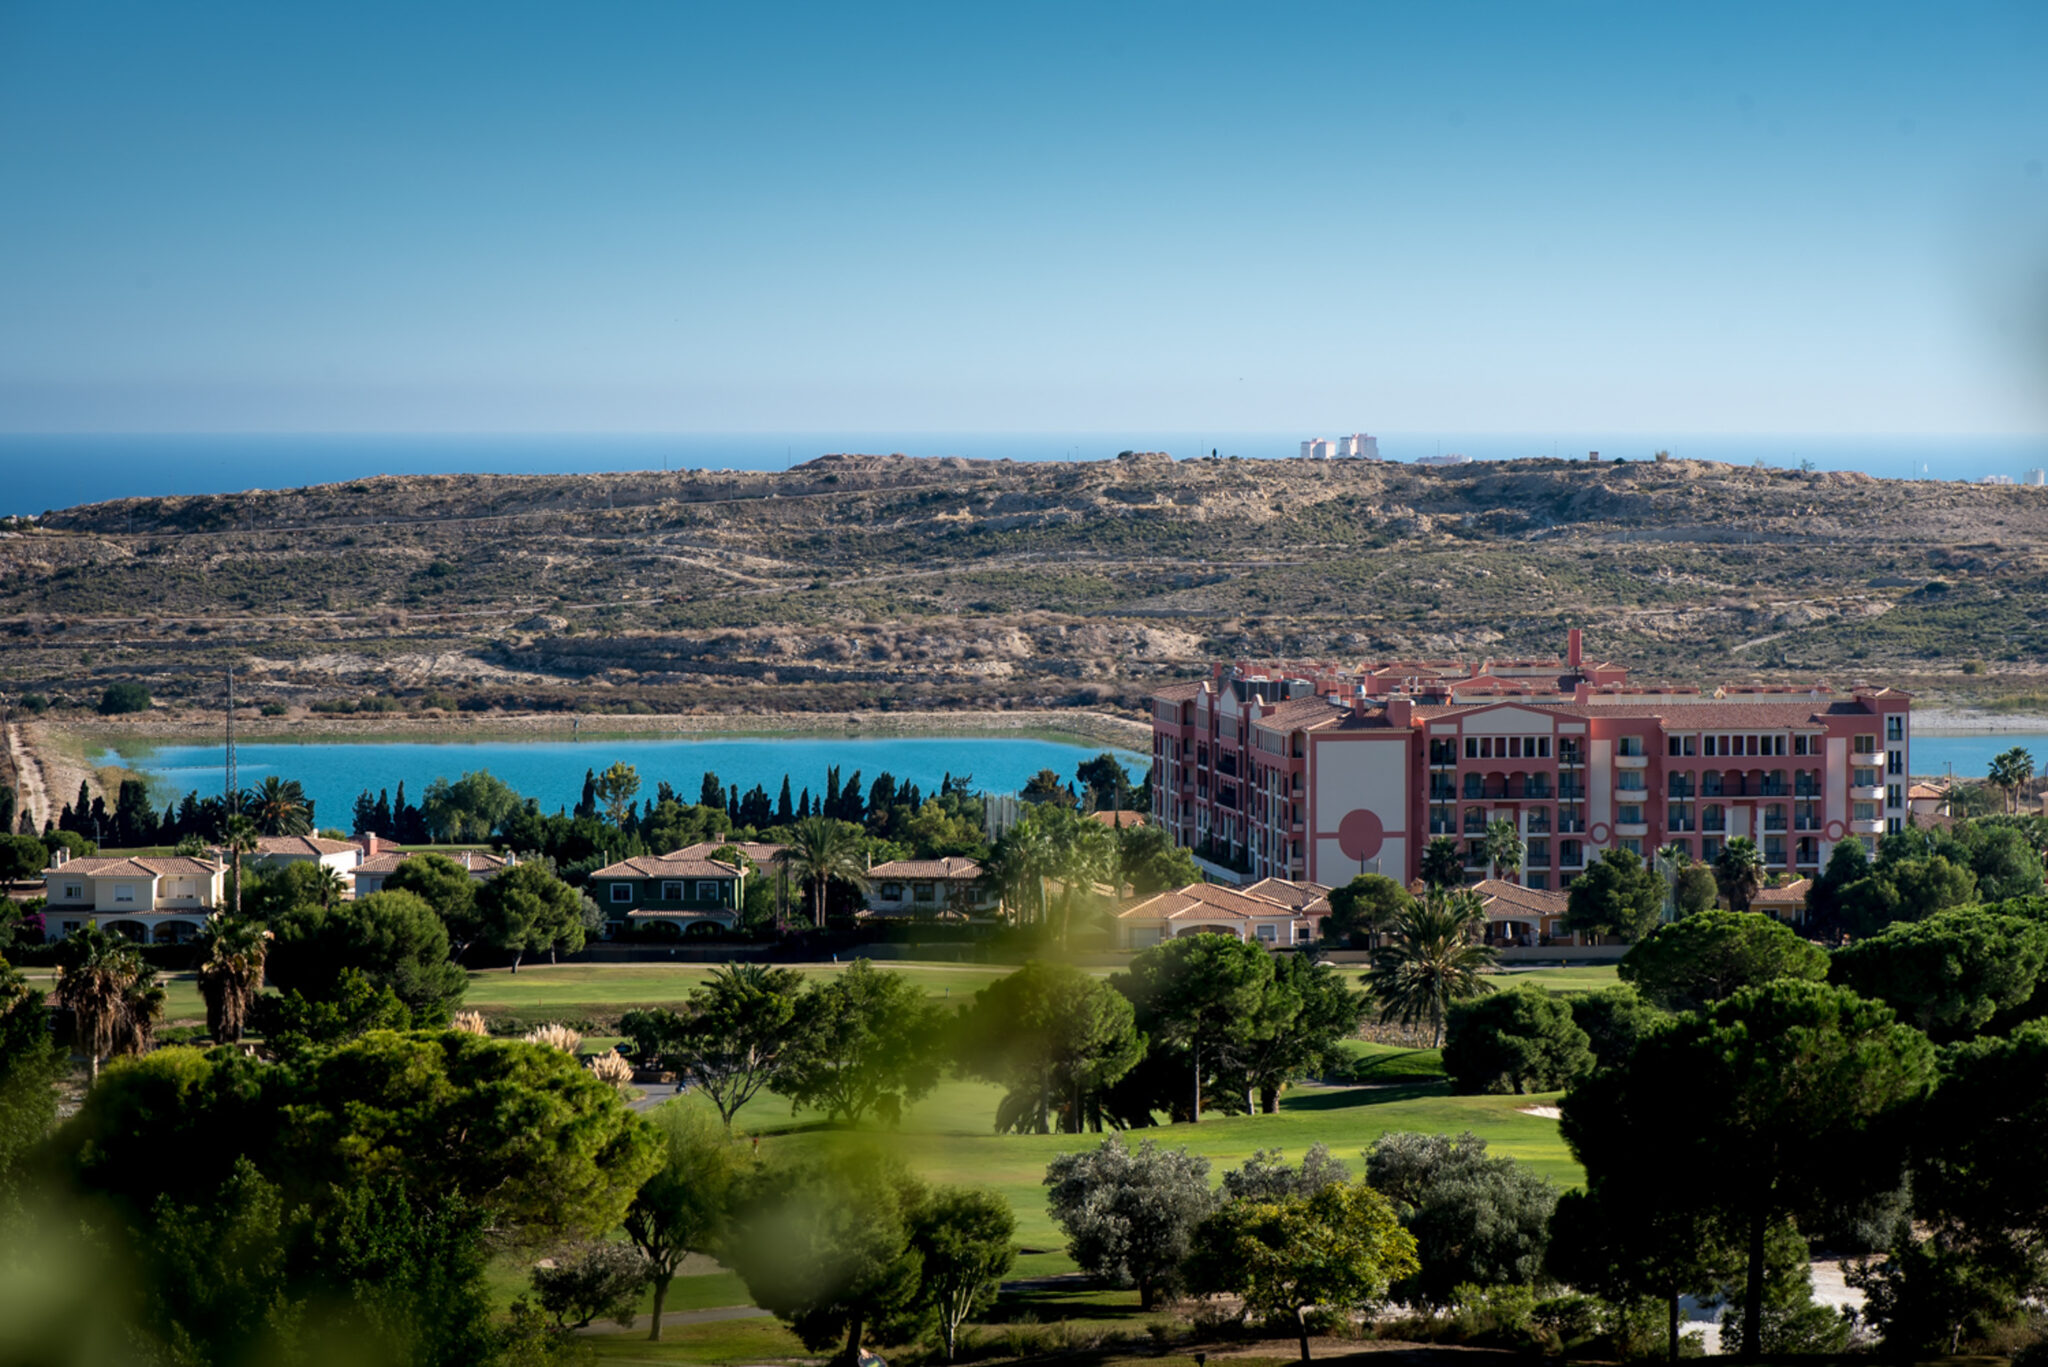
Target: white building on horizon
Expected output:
[1358,446]
[2035,478]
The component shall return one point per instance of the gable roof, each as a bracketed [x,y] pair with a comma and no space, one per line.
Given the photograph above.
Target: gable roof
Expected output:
[760,851]
[1308,899]
[1512,901]
[1205,902]
[137,866]
[311,846]
[476,861]
[1120,820]
[666,866]
[951,867]
[1791,894]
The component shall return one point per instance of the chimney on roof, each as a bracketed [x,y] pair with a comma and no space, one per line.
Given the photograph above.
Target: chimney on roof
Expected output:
[59,857]
[1574,650]
[1400,711]
[369,845]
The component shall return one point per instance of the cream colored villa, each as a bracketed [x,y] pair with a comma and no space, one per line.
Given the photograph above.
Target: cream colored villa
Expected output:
[151,900]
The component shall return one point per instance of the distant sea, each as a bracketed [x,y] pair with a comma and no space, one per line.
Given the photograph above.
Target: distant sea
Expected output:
[41,473]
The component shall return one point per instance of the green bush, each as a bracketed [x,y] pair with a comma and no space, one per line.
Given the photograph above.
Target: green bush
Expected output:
[124,697]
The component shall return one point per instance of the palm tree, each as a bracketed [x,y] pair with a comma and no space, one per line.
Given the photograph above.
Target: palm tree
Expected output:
[239,839]
[328,885]
[112,995]
[1443,863]
[1020,864]
[822,850]
[1503,848]
[231,974]
[1671,860]
[1739,871]
[2010,773]
[1086,854]
[1432,961]
[280,807]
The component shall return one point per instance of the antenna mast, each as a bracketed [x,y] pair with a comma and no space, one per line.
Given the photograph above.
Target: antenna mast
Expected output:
[231,792]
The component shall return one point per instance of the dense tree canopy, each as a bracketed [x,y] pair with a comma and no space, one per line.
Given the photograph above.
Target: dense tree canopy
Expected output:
[1130,1218]
[392,938]
[1788,1091]
[1364,909]
[1698,960]
[1618,895]
[1197,1000]
[1054,1037]
[1950,974]
[1525,1040]
[1475,1218]
[864,1042]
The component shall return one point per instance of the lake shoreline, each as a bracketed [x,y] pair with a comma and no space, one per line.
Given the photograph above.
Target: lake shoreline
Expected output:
[64,751]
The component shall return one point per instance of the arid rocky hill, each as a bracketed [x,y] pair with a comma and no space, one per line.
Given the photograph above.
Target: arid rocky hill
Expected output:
[885,581]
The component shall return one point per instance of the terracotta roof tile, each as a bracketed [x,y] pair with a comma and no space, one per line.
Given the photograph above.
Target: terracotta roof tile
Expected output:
[951,867]
[1203,901]
[666,866]
[1504,899]
[309,845]
[138,866]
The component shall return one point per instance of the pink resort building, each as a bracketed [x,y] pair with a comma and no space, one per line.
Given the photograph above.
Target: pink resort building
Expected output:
[1317,773]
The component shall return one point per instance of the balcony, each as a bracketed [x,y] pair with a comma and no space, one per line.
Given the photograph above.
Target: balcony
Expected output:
[1714,824]
[1873,827]
[1502,790]
[1568,825]
[1570,790]
[1632,828]
[1631,761]
[1680,788]
[1871,793]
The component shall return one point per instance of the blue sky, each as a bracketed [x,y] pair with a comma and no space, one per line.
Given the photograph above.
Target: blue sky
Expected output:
[658,217]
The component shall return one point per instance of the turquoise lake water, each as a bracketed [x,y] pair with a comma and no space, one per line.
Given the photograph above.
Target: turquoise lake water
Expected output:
[552,770]
[1970,756]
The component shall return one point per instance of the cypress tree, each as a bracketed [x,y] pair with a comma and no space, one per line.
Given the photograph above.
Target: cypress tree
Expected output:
[803,804]
[785,810]
[383,816]
[711,793]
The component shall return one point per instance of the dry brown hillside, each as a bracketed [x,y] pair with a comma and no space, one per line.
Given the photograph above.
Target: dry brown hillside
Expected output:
[858,581]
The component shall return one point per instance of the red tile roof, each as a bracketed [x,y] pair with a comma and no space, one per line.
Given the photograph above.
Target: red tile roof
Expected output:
[760,851]
[1309,899]
[1505,900]
[1120,820]
[666,866]
[311,846]
[138,866]
[1205,901]
[951,867]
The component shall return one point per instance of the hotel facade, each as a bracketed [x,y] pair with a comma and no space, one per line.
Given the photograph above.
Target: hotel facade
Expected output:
[1316,774]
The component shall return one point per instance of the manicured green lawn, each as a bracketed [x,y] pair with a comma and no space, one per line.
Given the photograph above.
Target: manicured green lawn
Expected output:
[1572,978]
[734,1341]
[1384,1063]
[587,990]
[947,1138]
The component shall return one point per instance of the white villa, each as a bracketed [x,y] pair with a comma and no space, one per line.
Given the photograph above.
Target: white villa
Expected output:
[1281,915]
[151,900]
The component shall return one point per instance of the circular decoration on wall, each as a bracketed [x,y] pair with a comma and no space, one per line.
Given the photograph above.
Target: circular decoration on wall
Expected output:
[1835,830]
[1360,835]
[1601,830]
